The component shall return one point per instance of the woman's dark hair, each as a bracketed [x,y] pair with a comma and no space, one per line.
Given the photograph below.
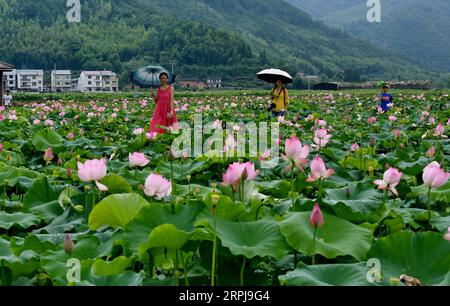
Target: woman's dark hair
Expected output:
[163,73]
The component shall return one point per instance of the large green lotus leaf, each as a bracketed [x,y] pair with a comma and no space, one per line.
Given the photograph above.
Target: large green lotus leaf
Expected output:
[116,210]
[11,175]
[356,163]
[127,278]
[5,249]
[441,223]
[336,237]
[31,242]
[43,199]
[425,256]
[138,230]
[327,275]
[276,188]
[48,138]
[17,158]
[257,238]
[180,169]
[165,236]
[437,194]
[116,183]
[360,197]
[413,168]
[193,189]
[21,219]
[86,250]
[118,265]
[137,143]
[225,208]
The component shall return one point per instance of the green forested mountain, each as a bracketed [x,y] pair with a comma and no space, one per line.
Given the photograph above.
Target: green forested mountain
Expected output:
[232,38]
[414,29]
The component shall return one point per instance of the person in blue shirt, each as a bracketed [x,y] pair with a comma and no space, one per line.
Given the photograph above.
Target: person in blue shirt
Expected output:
[386,99]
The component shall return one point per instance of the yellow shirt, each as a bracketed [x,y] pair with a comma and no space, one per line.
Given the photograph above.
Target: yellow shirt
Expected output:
[278,99]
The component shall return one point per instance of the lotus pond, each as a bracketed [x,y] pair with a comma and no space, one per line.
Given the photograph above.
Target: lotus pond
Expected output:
[359,197]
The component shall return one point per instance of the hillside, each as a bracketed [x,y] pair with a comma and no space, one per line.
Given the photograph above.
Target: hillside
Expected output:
[413,29]
[233,38]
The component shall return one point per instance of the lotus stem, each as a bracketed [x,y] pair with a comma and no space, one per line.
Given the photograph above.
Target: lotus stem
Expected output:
[186,278]
[242,271]
[213,268]
[314,246]
[429,207]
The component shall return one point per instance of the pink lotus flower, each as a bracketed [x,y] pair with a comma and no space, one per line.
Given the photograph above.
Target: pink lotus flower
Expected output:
[156,185]
[319,170]
[372,120]
[432,120]
[217,124]
[439,131]
[230,144]
[48,155]
[295,152]
[93,170]
[310,118]
[265,155]
[433,176]
[430,152]
[49,122]
[321,138]
[397,133]
[36,121]
[392,118]
[379,110]
[316,218]
[320,122]
[70,136]
[354,147]
[138,131]
[138,159]
[151,135]
[391,178]
[447,235]
[237,171]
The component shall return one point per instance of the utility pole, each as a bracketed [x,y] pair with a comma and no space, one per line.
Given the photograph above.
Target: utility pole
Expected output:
[172,65]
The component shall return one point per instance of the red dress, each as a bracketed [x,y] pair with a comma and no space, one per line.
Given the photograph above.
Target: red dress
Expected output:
[161,110]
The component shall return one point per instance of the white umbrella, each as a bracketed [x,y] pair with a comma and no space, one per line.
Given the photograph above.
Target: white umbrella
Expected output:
[272,75]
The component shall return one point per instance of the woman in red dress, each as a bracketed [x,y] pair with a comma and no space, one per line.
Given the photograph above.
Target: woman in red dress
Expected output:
[165,107]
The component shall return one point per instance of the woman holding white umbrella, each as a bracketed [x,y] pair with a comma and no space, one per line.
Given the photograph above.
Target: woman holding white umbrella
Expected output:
[280,100]
[279,94]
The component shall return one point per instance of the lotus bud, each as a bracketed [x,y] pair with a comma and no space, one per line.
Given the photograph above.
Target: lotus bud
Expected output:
[214,199]
[68,244]
[48,155]
[79,209]
[69,172]
[1,148]
[188,178]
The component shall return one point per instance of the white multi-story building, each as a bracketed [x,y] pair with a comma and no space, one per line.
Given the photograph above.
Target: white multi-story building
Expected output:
[30,80]
[10,80]
[61,80]
[98,81]
[214,82]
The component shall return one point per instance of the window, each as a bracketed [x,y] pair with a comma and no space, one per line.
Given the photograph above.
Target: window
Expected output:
[11,82]
[33,84]
[90,77]
[89,83]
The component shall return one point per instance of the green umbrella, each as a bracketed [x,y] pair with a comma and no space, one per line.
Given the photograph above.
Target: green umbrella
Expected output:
[148,77]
